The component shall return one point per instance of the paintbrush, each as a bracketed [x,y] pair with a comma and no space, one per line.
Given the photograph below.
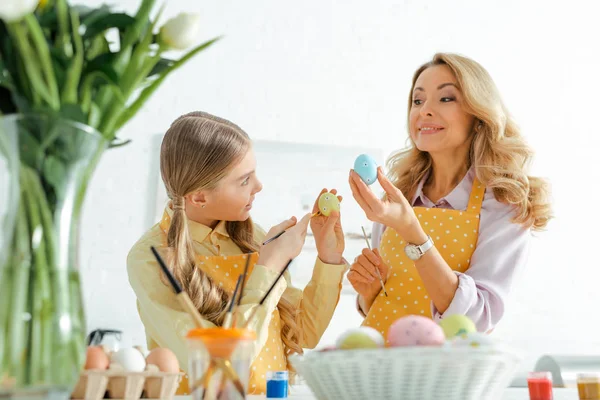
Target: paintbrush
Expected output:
[376,269]
[273,238]
[243,285]
[267,294]
[281,233]
[182,296]
[248,256]
[227,321]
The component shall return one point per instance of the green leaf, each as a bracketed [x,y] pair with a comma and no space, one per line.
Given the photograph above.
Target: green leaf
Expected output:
[21,102]
[54,172]
[73,112]
[89,15]
[48,20]
[117,20]
[102,63]
[30,151]
[59,57]
[148,91]
[161,65]
[99,45]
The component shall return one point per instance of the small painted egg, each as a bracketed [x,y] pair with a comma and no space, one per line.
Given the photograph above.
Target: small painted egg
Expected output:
[472,339]
[164,359]
[132,360]
[415,330]
[457,324]
[363,337]
[366,167]
[328,202]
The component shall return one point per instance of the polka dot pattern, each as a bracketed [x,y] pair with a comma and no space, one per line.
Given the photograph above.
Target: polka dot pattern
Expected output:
[455,235]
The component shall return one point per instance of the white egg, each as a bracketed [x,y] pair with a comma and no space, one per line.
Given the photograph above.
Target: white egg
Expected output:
[131,360]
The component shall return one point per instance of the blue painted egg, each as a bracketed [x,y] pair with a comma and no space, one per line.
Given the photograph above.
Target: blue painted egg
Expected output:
[366,167]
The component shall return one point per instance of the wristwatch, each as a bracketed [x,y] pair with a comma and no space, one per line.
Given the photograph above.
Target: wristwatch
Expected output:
[414,252]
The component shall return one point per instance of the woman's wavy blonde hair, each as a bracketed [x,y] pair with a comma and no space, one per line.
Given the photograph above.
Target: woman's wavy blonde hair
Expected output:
[498,152]
[198,151]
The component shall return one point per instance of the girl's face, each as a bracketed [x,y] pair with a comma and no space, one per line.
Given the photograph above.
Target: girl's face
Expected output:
[438,122]
[232,199]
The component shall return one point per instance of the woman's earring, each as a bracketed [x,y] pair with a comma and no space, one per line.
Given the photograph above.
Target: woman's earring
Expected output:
[203,205]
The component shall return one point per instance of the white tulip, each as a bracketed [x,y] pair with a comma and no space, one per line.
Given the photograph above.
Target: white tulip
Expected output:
[181,31]
[13,10]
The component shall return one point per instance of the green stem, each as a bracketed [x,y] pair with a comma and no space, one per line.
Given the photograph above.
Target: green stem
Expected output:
[31,64]
[78,344]
[141,19]
[21,270]
[43,51]
[41,341]
[113,114]
[61,355]
[141,60]
[26,84]
[104,100]
[6,299]
[62,39]
[87,88]
[69,94]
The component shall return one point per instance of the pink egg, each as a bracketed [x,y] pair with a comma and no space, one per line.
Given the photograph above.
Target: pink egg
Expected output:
[414,330]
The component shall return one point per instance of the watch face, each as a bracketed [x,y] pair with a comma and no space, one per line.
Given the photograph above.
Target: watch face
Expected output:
[412,252]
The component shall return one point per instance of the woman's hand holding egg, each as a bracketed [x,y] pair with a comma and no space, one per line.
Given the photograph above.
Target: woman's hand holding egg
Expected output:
[393,210]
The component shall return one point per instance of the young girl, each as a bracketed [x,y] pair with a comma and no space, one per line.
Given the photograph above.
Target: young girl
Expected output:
[454,226]
[208,167]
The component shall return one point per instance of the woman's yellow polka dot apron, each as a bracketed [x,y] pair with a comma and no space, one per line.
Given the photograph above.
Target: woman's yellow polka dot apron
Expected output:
[454,233]
[224,271]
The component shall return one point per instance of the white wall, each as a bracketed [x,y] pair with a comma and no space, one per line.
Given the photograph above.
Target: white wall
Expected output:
[338,72]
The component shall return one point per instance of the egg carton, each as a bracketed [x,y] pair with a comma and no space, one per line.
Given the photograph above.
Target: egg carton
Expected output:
[121,385]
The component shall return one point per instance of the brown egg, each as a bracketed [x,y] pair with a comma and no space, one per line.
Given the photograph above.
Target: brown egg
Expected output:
[164,359]
[96,358]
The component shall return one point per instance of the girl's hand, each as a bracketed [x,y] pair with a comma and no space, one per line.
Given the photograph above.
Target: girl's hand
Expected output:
[329,236]
[276,254]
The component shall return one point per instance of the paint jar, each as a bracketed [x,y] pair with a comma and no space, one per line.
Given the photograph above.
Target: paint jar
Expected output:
[540,385]
[588,386]
[277,384]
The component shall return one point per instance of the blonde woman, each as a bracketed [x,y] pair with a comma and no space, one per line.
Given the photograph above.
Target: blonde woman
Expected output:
[454,226]
[208,168]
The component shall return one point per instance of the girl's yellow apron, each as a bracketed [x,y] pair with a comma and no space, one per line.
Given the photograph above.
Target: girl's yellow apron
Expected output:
[224,271]
[454,233]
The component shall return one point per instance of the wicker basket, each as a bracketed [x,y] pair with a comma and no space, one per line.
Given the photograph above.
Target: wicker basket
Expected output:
[409,373]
